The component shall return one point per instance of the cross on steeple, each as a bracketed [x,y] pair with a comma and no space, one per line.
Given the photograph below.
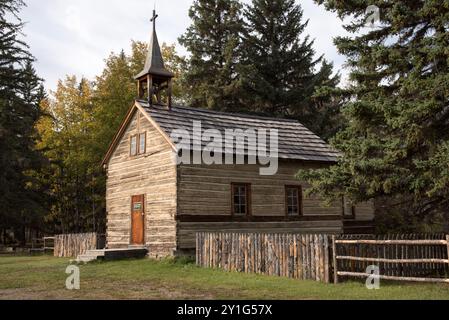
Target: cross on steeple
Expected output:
[153,19]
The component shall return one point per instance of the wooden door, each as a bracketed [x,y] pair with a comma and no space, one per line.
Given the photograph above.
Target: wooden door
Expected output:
[138,220]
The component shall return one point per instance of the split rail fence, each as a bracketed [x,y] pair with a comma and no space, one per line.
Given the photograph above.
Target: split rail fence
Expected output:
[418,258]
[327,258]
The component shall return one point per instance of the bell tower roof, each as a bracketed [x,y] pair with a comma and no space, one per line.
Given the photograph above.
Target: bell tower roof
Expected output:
[154,64]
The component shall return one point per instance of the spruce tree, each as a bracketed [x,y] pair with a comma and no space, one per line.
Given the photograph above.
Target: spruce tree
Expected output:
[396,143]
[213,41]
[20,92]
[280,73]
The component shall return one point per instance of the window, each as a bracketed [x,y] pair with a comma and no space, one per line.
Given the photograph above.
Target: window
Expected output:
[133,149]
[142,143]
[138,144]
[348,209]
[241,199]
[293,198]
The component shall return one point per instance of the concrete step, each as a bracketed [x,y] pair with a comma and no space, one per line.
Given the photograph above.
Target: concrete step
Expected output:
[135,252]
[86,258]
[91,255]
[98,253]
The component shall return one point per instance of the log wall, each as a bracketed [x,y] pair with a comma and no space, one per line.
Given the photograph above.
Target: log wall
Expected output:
[153,175]
[204,203]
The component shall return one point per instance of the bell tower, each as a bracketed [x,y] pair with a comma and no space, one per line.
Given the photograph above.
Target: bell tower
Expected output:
[155,78]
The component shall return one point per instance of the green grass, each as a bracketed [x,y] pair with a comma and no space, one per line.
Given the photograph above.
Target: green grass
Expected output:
[44,278]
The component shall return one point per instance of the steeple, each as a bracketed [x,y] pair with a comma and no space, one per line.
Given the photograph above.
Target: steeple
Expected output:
[154,78]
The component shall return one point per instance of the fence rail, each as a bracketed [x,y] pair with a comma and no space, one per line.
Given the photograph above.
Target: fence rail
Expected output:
[47,245]
[296,256]
[73,245]
[398,259]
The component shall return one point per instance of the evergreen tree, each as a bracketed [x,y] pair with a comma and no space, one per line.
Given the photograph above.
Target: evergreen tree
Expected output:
[20,94]
[213,41]
[396,143]
[279,71]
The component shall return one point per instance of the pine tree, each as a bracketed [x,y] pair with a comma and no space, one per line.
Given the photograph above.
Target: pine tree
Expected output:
[20,94]
[279,71]
[396,143]
[213,41]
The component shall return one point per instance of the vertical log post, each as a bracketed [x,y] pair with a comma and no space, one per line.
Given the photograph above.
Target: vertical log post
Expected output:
[334,254]
[447,244]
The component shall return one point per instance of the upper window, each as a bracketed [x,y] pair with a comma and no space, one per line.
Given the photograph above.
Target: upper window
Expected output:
[293,197]
[348,209]
[138,144]
[241,199]
[142,143]
[133,149]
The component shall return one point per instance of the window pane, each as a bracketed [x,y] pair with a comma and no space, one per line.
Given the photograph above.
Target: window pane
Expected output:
[134,146]
[293,201]
[142,145]
[348,208]
[240,200]
[237,209]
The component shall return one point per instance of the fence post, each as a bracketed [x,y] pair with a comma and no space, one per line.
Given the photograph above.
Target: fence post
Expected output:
[447,244]
[334,254]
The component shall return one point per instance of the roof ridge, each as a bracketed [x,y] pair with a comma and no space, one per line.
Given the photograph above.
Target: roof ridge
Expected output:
[295,140]
[237,114]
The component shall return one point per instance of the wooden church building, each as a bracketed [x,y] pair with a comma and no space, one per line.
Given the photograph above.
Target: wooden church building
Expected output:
[154,202]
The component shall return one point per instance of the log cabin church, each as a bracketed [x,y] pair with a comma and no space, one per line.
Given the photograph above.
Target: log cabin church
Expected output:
[156,203]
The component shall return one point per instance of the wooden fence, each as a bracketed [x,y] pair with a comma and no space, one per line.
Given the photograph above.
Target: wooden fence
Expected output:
[296,256]
[415,257]
[411,257]
[72,245]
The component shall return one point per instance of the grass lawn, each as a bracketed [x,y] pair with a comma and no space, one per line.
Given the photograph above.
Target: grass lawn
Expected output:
[44,278]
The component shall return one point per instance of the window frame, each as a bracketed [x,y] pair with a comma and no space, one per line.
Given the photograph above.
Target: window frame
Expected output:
[300,203]
[248,199]
[139,152]
[345,204]
[131,145]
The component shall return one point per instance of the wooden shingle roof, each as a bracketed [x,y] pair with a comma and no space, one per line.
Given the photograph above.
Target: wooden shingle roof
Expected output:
[295,141]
